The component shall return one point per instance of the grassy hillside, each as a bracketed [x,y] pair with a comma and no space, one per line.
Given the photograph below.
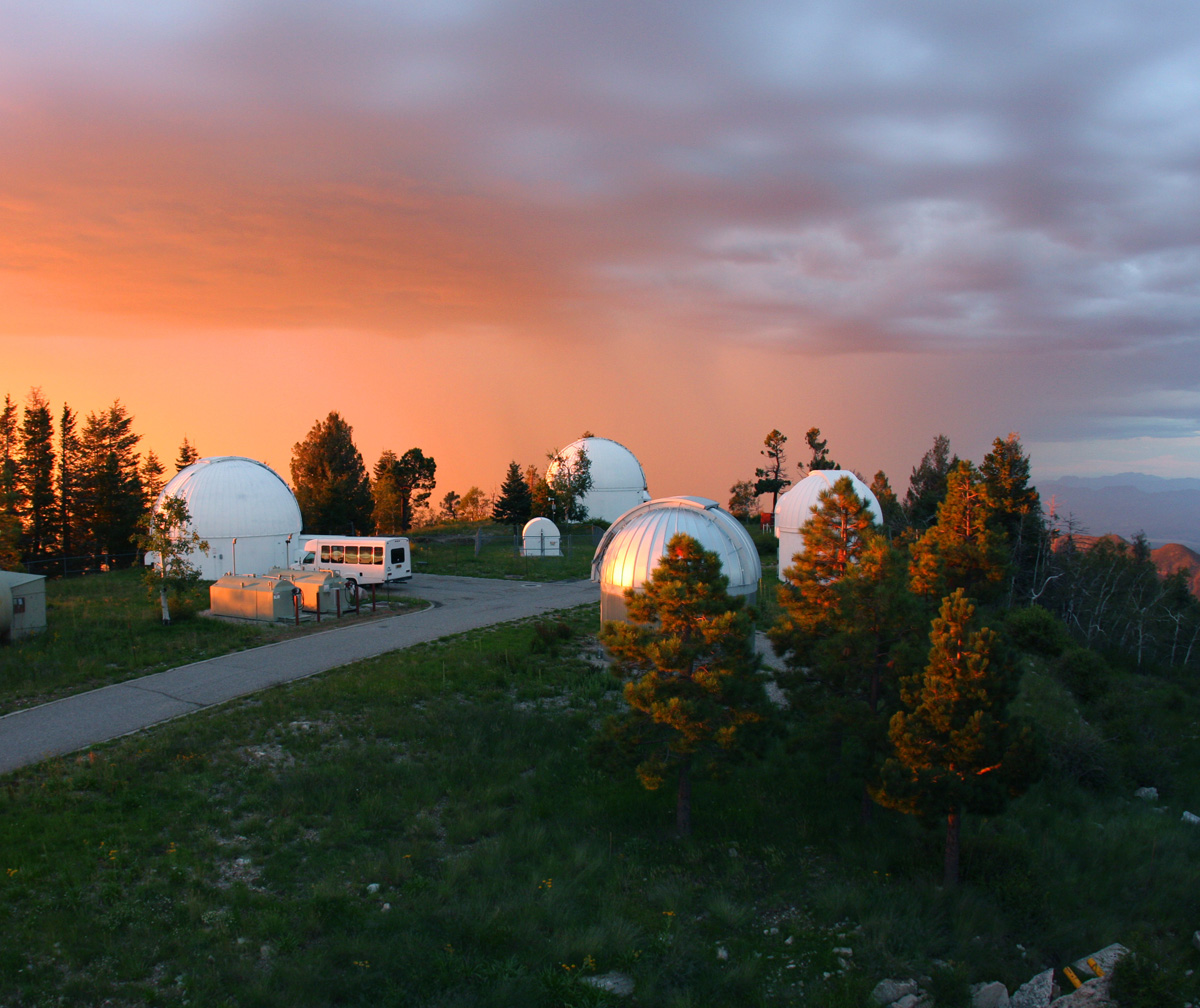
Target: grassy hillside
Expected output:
[425,828]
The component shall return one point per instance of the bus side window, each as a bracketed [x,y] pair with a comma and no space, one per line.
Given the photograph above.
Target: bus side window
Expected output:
[351,555]
[336,553]
[377,557]
[397,554]
[325,553]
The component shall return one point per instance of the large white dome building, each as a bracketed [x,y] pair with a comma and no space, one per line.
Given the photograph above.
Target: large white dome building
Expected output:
[229,498]
[618,480]
[796,506]
[633,545]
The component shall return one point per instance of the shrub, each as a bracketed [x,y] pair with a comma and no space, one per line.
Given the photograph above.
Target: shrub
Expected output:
[1084,673]
[1036,630]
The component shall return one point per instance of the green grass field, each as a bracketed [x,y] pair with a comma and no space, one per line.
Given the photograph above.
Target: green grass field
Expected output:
[452,550]
[102,628]
[425,828]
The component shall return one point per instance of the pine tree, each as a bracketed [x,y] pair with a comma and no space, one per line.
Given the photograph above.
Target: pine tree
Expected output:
[10,491]
[110,494]
[449,506]
[894,522]
[687,658]
[954,749]
[927,485]
[152,478]
[187,455]
[963,549]
[514,505]
[770,477]
[1016,512]
[330,480]
[820,451]
[35,478]
[69,477]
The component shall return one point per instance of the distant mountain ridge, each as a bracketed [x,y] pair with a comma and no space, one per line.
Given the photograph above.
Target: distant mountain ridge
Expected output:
[1166,510]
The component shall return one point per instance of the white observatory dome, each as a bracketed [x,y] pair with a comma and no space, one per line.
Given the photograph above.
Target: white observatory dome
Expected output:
[796,506]
[633,545]
[229,497]
[618,480]
[540,537]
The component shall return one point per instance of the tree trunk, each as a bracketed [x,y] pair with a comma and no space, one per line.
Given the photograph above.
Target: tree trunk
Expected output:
[683,800]
[950,879]
[166,609]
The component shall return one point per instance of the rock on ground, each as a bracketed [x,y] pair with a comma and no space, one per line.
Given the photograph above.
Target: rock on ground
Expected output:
[1036,993]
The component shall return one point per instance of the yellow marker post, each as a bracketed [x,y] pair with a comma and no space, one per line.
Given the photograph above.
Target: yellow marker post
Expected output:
[1075,981]
[1095,967]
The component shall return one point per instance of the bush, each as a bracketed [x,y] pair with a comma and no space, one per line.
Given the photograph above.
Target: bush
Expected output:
[1036,630]
[1139,983]
[1085,673]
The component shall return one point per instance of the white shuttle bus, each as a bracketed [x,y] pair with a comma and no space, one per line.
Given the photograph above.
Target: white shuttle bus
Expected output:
[365,560]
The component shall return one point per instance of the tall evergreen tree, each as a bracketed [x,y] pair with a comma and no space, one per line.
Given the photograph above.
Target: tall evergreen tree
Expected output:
[36,475]
[187,455]
[514,505]
[962,549]
[330,480]
[69,483]
[927,485]
[770,477]
[894,521]
[955,750]
[110,494]
[687,658]
[1016,513]
[10,448]
[152,478]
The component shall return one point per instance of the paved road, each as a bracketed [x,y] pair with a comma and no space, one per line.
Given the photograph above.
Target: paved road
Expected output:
[461,603]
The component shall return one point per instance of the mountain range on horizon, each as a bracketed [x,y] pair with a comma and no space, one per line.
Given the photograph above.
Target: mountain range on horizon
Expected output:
[1166,510]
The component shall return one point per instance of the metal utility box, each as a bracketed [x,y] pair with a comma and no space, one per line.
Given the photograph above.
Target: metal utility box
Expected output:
[320,591]
[256,598]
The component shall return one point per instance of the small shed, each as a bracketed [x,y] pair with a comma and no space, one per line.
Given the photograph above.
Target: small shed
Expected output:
[540,538]
[256,598]
[320,591]
[22,604]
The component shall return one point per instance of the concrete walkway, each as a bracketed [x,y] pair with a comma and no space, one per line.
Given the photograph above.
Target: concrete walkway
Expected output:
[460,604]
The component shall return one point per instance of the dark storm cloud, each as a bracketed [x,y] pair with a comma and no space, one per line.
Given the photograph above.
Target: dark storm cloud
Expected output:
[835,177]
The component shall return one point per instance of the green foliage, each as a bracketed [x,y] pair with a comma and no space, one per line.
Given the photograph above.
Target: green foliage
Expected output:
[36,475]
[1037,630]
[1084,672]
[954,748]
[820,451]
[927,484]
[686,656]
[330,480]
[770,477]
[1139,982]
[962,549]
[568,479]
[187,455]
[401,488]
[894,520]
[110,499]
[743,501]
[168,534]
[514,506]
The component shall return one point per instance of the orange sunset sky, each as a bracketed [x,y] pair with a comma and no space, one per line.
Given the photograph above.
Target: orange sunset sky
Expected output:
[480,227]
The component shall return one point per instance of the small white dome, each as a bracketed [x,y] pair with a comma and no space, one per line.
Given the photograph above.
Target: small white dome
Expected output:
[634,544]
[540,537]
[231,496]
[618,480]
[795,507]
